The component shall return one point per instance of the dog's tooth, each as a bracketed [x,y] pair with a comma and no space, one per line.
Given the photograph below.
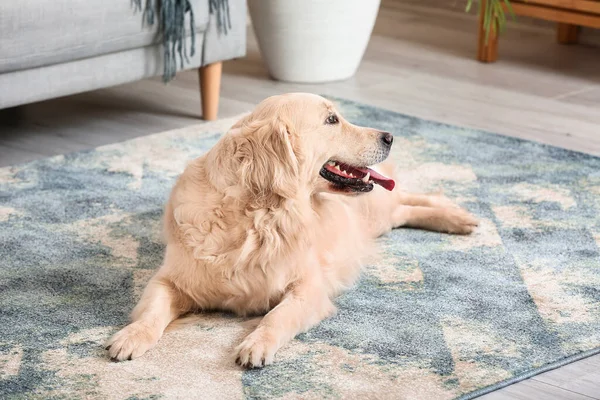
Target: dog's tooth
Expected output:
[351,176]
[345,172]
[366,178]
[332,163]
[337,167]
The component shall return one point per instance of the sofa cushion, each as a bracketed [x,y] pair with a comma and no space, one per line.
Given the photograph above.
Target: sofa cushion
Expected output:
[35,33]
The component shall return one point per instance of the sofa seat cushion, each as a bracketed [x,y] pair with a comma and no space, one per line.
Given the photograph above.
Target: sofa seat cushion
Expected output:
[36,33]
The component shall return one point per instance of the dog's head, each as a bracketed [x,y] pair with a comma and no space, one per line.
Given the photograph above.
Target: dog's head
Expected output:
[299,142]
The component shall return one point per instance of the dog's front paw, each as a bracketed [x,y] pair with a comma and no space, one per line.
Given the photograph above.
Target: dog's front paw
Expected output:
[460,221]
[131,342]
[257,349]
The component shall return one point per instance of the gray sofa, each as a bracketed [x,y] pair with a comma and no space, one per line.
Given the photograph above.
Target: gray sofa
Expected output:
[61,47]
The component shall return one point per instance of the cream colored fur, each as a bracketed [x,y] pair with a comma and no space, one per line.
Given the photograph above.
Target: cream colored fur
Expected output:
[251,227]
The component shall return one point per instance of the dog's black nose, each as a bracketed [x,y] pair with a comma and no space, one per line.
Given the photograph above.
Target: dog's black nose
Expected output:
[387,138]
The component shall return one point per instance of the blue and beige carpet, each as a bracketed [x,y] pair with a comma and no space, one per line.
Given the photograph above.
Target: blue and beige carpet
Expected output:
[438,317]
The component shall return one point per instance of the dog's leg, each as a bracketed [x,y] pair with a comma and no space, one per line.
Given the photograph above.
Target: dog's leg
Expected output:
[436,200]
[301,308]
[159,305]
[387,210]
[448,219]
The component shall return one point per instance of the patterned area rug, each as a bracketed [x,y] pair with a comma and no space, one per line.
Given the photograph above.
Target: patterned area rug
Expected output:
[438,317]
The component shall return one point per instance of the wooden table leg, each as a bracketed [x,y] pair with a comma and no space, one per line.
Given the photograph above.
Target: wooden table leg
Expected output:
[487,49]
[210,86]
[567,33]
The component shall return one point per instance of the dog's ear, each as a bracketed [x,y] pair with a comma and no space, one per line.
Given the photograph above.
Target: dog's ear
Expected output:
[268,163]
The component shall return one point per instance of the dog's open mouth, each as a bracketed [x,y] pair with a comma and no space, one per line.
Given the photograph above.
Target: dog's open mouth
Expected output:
[345,177]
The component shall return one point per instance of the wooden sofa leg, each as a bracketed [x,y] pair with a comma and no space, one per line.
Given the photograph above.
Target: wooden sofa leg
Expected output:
[487,49]
[210,86]
[567,33]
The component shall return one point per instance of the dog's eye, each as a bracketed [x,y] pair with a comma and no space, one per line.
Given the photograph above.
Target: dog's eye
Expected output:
[332,119]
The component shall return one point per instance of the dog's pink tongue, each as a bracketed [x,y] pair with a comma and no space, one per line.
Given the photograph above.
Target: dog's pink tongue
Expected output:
[379,179]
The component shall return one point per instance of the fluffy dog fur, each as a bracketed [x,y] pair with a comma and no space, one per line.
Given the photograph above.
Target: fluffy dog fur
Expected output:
[253,228]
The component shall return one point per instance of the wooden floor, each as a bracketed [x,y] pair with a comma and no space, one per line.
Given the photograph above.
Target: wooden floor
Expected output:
[420,61]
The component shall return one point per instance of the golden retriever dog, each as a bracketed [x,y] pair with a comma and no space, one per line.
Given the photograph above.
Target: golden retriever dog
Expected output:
[276,220]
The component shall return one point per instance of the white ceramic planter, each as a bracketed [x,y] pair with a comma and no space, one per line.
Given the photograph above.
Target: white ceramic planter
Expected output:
[313,41]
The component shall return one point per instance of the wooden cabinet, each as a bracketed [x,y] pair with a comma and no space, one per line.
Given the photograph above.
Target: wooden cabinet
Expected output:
[568,14]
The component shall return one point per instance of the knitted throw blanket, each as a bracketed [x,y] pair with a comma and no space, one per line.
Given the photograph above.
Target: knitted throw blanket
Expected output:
[171,18]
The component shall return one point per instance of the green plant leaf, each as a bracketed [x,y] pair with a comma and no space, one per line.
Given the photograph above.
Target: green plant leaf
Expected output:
[469,5]
[487,20]
[510,9]
[494,15]
[500,20]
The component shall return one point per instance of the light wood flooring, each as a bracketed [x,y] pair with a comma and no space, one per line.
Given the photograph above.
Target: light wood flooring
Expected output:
[420,61]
